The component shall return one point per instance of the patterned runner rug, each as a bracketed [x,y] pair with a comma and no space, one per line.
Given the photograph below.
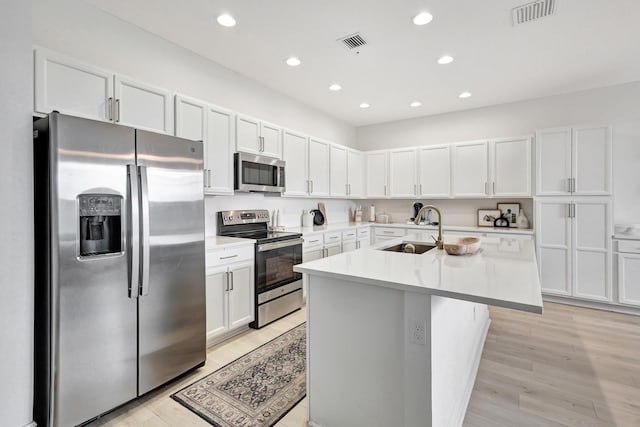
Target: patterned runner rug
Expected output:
[256,390]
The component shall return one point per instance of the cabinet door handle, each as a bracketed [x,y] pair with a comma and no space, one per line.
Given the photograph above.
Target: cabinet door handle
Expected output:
[486,191]
[573,185]
[229,257]
[420,189]
[357,245]
[209,177]
[110,108]
[385,189]
[314,241]
[117,120]
[226,288]
[311,186]
[204,178]
[231,272]
[493,185]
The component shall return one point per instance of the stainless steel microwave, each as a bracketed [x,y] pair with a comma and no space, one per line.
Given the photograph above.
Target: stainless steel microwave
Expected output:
[258,173]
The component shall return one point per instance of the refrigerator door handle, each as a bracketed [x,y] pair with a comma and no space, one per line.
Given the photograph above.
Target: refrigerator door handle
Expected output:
[144,208]
[134,232]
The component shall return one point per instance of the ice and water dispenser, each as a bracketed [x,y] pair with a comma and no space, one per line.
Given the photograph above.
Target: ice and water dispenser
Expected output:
[100,224]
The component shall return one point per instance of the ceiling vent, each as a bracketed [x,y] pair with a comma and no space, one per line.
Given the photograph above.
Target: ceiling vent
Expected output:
[353,42]
[532,11]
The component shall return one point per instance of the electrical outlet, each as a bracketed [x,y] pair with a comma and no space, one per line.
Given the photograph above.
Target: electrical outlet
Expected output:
[418,331]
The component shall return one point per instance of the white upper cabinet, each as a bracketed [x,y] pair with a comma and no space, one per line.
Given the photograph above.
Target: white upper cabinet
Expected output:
[470,171]
[319,168]
[248,134]
[219,150]
[510,166]
[355,173]
[434,171]
[214,126]
[573,161]
[295,154]
[591,164]
[271,140]
[71,87]
[338,164]
[402,173]
[553,162]
[258,137]
[142,106]
[74,88]
[376,173]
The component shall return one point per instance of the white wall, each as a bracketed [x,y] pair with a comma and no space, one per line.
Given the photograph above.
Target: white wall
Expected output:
[81,31]
[616,105]
[16,226]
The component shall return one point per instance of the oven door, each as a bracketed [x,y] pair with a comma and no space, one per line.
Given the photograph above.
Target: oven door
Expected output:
[274,264]
[258,173]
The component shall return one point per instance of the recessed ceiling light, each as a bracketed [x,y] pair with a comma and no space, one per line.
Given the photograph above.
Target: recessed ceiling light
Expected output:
[422,18]
[446,59]
[464,95]
[335,87]
[364,105]
[226,20]
[415,104]
[293,61]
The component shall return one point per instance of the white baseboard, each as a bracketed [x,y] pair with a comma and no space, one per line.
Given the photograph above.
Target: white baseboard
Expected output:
[226,336]
[31,424]
[460,411]
[592,304]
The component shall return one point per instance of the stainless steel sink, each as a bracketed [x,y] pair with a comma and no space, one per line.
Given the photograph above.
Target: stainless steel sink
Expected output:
[410,248]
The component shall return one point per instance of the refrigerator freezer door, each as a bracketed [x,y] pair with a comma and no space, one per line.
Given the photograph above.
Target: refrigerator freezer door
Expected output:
[93,320]
[171,308]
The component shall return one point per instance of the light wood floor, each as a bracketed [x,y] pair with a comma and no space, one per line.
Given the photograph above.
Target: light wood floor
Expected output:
[571,366]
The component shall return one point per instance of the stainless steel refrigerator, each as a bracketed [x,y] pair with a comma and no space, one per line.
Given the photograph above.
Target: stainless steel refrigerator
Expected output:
[120,275]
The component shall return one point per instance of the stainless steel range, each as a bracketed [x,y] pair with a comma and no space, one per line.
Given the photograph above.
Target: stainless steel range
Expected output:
[278,287]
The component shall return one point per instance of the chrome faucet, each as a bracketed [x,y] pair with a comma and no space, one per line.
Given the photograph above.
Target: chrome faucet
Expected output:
[439,242]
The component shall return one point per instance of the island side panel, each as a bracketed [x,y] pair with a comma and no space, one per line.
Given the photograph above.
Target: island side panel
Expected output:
[459,330]
[358,362]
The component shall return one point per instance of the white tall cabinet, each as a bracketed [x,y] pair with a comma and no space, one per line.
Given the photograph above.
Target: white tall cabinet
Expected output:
[574,247]
[574,161]
[215,127]
[72,87]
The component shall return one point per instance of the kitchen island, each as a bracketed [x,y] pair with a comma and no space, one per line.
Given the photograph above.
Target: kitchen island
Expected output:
[396,338]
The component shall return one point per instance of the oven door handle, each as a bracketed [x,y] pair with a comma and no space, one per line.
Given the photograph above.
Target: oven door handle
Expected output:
[277,245]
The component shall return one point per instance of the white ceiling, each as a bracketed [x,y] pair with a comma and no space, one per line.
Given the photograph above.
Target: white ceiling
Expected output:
[586,44]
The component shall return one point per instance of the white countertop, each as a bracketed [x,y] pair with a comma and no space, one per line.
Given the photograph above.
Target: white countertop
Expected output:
[328,227]
[220,242]
[627,232]
[503,273]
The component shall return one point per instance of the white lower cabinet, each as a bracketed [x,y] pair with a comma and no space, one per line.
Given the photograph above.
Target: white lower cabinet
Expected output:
[229,293]
[628,258]
[574,247]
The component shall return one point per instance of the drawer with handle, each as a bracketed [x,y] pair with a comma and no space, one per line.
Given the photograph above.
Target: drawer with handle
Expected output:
[629,246]
[349,235]
[390,232]
[217,257]
[312,240]
[363,232]
[332,238]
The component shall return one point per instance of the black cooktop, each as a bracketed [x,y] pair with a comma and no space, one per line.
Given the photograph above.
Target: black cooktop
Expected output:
[264,236]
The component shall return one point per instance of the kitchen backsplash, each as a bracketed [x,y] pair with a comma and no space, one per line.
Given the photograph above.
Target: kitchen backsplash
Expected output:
[290,208]
[454,212]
